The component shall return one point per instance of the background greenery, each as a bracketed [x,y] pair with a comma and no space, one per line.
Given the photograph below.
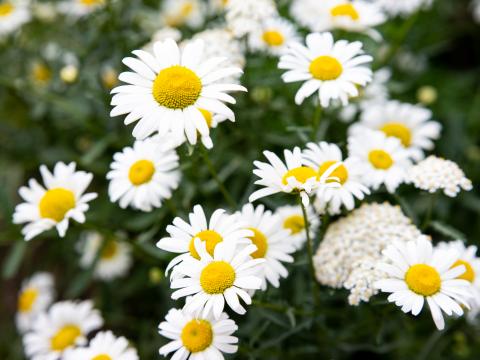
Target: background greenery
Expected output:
[55,121]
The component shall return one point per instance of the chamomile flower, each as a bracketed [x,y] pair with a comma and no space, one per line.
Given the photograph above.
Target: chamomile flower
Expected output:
[54,205]
[166,90]
[176,13]
[197,337]
[348,175]
[80,8]
[272,241]
[293,176]
[273,36]
[144,175]
[418,273]
[104,346]
[411,124]
[291,218]
[13,14]
[221,227]
[384,159]
[114,260]
[65,326]
[246,16]
[333,69]
[403,8]
[213,280]
[217,6]
[35,296]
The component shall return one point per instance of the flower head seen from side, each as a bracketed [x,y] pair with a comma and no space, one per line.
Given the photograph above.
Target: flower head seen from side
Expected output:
[115,258]
[348,175]
[65,326]
[417,273]
[177,13]
[273,36]
[104,346]
[221,227]
[144,175]
[213,280]
[80,8]
[13,14]
[272,242]
[333,69]
[197,337]
[291,218]
[35,296]
[411,124]
[384,159]
[60,199]
[166,90]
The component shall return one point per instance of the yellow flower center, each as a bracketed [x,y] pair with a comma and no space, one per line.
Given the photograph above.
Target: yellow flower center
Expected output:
[141,172]
[65,337]
[176,87]
[345,10]
[340,172]
[197,335]
[6,9]
[273,38]
[398,130]
[110,250]
[380,159]
[211,237]
[325,68]
[423,279]
[41,73]
[55,203]
[260,240]
[469,273]
[208,116]
[92,2]
[301,174]
[186,9]
[294,223]
[27,299]
[217,277]
[102,357]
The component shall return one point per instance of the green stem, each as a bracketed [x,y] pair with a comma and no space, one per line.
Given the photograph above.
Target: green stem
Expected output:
[316,121]
[281,308]
[429,213]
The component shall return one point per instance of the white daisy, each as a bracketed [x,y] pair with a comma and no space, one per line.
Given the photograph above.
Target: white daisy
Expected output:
[348,175]
[411,124]
[384,159]
[144,175]
[35,296]
[176,13]
[217,6]
[291,218]
[166,90]
[163,34]
[104,346]
[246,16]
[197,337]
[114,260]
[333,69]
[403,8]
[13,14]
[80,8]
[221,227]
[417,272]
[272,241]
[212,280]
[273,36]
[54,205]
[64,326]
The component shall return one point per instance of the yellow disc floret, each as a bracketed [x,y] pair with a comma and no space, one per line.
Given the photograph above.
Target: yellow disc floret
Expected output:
[92,2]
[141,172]
[55,203]
[102,357]
[294,223]
[176,87]
[6,9]
[423,279]
[197,335]
[340,174]
[260,240]
[109,250]
[325,68]
[345,10]
[65,337]
[273,38]
[469,273]
[380,159]
[398,130]
[301,174]
[208,116]
[211,237]
[217,277]
[27,299]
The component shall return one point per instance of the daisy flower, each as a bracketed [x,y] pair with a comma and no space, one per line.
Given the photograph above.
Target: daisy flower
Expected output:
[403,8]
[418,273]
[348,175]
[384,159]
[226,276]
[80,8]
[35,296]
[65,326]
[291,218]
[293,176]
[217,6]
[273,36]
[197,337]
[333,69]
[114,260]
[411,124]
[246,16]
[13,14]
[221,227]
[144,175]
[177,13]
[166,90]
[272,241]
[54,205]
[104,346]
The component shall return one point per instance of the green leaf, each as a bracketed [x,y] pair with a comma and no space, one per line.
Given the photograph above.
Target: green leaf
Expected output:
[14,259]
[447,230]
